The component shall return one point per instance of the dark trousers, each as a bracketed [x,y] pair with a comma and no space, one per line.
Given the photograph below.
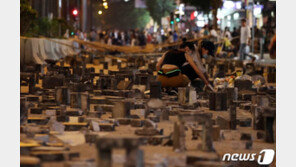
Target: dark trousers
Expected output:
[194,78]
[189,72]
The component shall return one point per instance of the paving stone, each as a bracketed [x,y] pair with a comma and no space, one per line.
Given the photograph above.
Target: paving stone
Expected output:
[260,135]
[182,95]
[155,89]
[154,118]
[223,123]
[216,133]
[232,116]
[124,121]
[80,100]
[147,132]
[218,101]
[107,127]
[62,95]
[246,136]
[245,122]
[90,138]
[50,82]
[36,111]
[123,85]
[121,109]
[137,122]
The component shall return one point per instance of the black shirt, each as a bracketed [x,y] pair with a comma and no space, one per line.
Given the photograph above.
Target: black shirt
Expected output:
[174,57]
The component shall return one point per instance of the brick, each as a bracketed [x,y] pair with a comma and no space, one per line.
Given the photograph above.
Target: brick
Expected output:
[245,122]
[121,109]
[147,132]
[223,123]
[137,122]
[246,136]
[232,116]
[218,101]
[216,132]
[107,127]
[155,89]
[50,82]
[80,100]
[36,111]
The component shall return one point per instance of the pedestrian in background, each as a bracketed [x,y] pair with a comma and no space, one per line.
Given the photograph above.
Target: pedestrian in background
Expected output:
[170,37]
[175,35]
[227,33]
[245,36]
[93,35]
[234,32]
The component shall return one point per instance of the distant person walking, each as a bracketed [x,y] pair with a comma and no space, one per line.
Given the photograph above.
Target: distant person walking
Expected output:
[245,36]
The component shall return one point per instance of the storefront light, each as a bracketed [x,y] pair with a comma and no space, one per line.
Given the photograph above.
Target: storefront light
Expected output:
[195,13]
[181,9]
[219,14]
[236,16]
[238,5]
[228,17]
[228,5]
[200,23]
[200,17]
[210,15]
[257,10]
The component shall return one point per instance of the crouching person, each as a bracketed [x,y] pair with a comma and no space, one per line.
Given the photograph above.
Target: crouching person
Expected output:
[176,67]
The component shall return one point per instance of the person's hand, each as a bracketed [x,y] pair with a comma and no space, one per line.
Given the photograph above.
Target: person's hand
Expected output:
[210,87]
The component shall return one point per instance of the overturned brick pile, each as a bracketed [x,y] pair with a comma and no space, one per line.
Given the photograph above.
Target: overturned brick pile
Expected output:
[111,112]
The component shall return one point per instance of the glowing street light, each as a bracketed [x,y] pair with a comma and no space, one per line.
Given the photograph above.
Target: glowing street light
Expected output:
[105,4]
[75,12]
[100,12]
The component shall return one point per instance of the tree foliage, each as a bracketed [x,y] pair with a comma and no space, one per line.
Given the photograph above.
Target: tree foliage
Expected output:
[159,8]
[121,15]
[27,16]
[34,26]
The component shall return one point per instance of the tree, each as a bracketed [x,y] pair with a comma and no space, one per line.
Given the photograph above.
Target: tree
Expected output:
[34,26]
[121,15]
[27,16]
[159,8]
[206,6]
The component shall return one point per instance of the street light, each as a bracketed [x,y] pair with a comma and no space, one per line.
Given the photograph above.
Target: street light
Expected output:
[75,12]
[100,12]
[105,4]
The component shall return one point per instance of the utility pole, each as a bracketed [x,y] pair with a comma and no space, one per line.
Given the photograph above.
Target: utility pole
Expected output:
[60,15]
[68,10]
[84,15]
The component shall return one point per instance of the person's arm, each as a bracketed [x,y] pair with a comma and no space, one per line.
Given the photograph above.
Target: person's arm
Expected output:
[249,35]
[193,65]
[198,58]
[159,63]
[272,42]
